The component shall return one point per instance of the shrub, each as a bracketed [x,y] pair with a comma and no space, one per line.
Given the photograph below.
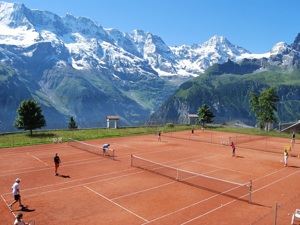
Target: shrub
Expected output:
[170,125]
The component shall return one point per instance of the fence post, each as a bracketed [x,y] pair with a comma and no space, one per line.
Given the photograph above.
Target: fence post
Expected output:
[250,192]
[275,216]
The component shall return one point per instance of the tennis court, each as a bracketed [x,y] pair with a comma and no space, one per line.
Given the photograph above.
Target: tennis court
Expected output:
[182,179]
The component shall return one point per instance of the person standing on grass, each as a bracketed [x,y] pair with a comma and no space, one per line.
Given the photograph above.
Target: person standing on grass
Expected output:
[285,157]
[104,148]
[19,220]
[233,149]
[16,192]
[56,163]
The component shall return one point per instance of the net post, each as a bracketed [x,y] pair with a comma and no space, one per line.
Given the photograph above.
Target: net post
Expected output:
[250,192]
[113,154]
[131,156]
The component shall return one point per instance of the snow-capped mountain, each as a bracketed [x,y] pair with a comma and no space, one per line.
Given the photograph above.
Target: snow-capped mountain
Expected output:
[51,57]
[90,45]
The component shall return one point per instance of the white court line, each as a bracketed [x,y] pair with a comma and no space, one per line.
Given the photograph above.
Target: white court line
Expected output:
[69,164]
[215,209]
[115,203]
[139,191]
[37,158]
[148,189]
[197,203]
[276,181]
[7,205]
[145,190]
[78,185]
[221,168]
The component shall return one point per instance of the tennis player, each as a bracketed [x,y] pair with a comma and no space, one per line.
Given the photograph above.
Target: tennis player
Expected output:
[293,139]
[159,136]
[104,148]
[56,163]
[16,192]
[285,157]
[233,149]
[19,220]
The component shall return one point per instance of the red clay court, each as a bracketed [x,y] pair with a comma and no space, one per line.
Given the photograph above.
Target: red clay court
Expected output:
[93,189]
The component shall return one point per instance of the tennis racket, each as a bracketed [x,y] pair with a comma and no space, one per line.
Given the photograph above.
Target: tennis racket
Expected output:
[31,222]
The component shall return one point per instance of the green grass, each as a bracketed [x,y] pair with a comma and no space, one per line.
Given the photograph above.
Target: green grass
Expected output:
[45,137]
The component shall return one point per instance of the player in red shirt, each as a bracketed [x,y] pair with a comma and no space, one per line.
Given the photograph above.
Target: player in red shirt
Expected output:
[233,149]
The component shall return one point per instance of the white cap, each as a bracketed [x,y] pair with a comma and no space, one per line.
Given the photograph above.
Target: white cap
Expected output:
[18,180]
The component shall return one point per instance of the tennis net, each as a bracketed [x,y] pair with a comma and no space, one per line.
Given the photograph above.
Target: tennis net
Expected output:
[91,148]
[246,138]
[212,184]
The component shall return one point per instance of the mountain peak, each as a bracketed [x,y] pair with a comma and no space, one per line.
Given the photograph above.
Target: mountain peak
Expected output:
[12,14]
[217,38]
[296,43]
[278,48]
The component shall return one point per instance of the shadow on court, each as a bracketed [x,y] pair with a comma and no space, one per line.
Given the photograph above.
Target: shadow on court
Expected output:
[64,176]
[26,209]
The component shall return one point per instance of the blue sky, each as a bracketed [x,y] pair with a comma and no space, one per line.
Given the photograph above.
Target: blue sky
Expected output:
[256,25]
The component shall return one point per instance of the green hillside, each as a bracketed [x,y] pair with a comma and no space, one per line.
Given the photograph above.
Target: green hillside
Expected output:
[228,96]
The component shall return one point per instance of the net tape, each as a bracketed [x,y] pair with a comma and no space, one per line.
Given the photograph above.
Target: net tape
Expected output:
[212,184]
[94,149]
[246,138]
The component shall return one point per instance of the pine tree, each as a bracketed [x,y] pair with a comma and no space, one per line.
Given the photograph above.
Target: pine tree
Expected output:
[72,124]
[30,116]
[264,107]
[205,115]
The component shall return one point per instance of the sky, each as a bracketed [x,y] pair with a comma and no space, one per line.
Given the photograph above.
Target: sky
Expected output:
[256,25]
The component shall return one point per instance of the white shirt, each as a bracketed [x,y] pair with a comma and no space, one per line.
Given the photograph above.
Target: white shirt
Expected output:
[19,222]
[15,188]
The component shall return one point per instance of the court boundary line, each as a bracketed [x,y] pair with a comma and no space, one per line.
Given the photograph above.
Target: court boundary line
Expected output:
[196,203]
[27,169]
[205,164]
[37,158]
[78,180]
[181,209]
[148,189]
[115,203]
[263,187]
[7,206]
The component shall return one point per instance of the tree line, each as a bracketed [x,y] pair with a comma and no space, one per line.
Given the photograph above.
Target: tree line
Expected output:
[263,105]
[30,115]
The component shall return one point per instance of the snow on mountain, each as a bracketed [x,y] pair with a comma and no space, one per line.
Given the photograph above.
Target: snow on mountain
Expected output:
[197,58]
[279,48]
[91,46]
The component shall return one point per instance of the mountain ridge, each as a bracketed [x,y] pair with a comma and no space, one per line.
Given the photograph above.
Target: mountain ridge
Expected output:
[65,62]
